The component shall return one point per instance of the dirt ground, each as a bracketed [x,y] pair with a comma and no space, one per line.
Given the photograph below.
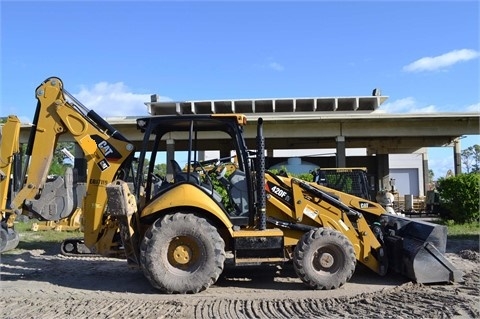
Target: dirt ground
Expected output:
[41,283]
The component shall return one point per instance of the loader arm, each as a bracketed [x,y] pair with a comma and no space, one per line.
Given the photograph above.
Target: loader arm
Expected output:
[310,206]
[381,241]
[106,151]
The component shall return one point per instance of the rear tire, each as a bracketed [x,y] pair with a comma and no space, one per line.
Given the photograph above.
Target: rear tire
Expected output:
[324,259]
[182,253]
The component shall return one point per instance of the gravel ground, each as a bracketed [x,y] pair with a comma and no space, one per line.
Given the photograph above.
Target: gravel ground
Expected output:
[41,283]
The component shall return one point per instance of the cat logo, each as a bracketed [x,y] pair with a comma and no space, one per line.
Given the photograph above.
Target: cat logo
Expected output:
[364,205]
[106,148]
[103,165]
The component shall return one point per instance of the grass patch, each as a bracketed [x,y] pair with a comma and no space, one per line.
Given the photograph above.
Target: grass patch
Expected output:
[462,230]
[467,230]
[30,239]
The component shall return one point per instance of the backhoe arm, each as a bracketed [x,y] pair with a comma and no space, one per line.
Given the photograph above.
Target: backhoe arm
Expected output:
[9,149]
[106,152]
[37,194]
[9,158]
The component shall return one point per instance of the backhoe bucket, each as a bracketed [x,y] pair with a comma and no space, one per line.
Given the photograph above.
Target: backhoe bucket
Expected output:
[9,239]
[416,248]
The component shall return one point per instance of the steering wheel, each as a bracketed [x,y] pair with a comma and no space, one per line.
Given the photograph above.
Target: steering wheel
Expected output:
[157,178]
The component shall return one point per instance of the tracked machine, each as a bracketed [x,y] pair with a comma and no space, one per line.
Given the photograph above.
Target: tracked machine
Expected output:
[181,231]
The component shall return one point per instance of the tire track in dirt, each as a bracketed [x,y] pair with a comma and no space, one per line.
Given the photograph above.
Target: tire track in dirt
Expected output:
[46,286]
[407,301]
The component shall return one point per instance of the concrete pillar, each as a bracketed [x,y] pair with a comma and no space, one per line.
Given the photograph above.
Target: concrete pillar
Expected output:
[341,157]
[200,156]
[170,156]
[426,175]
[225,153]
[383,171]
[268,158]
[457,159]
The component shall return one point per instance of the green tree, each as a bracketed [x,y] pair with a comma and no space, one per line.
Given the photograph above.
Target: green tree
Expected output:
[160,169]
[146,163]
[471,158]
[431,179]
[431,176]
[58,167]
[460,196]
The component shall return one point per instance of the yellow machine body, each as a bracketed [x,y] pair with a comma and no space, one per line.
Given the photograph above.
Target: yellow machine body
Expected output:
[180,231]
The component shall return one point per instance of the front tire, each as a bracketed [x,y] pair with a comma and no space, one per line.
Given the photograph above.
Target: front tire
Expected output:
[182,253]
[324,259]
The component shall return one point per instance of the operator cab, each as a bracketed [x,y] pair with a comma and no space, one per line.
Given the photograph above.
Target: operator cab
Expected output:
[173,153]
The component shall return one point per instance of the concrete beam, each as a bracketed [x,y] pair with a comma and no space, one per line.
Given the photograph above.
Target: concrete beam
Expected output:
[379,133]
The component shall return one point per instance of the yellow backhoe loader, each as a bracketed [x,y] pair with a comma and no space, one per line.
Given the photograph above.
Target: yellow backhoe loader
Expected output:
[181,231]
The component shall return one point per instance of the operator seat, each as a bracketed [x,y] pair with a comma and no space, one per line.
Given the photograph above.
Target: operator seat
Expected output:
[239,192]
[194,178]
[181,176]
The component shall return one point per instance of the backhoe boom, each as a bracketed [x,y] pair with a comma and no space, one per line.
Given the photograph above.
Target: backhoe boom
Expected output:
[106,151]
[9,157]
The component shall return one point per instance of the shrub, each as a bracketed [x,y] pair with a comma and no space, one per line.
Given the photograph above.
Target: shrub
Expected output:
[460,195]
[308,177]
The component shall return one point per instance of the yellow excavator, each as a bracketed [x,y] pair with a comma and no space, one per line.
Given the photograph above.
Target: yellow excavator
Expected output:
[180,232]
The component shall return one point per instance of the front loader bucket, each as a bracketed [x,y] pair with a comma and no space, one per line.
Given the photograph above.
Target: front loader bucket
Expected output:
[415,249]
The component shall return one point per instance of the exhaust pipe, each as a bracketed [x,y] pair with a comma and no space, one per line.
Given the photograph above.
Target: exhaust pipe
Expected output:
[261,194]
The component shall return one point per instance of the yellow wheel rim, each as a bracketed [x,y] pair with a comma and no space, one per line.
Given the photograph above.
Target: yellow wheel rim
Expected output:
[183,252]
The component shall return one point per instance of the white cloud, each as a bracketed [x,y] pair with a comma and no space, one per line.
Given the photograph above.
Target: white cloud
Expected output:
[270,64]
[410,105]
[275,66]
[441,61]
[440,165]
[113,99]
[406,105]
[473,108]
[25,119]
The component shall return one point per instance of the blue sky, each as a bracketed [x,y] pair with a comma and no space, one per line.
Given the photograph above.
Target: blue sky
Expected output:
[424,55]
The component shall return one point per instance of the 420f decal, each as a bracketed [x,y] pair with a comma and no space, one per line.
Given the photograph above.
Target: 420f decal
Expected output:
[279,192]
